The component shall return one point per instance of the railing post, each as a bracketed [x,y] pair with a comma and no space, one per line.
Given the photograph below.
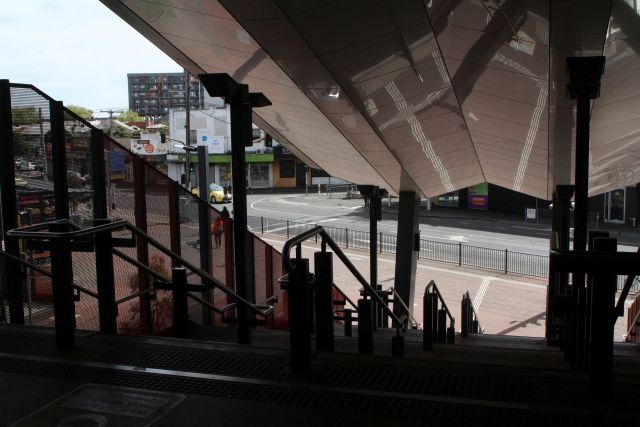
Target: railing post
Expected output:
[61,256]
[464,316]
[9,206]
[506,258]
[262,225]
[299,335]
[459,254]
[180,307]
[142,249]
[442,326]
[204,224]
[103,246]
[365,326]
[381,242]
[589,294]
[602,312]
[287,229]
[348,322]
[427,321]
[323,262]
[346,240]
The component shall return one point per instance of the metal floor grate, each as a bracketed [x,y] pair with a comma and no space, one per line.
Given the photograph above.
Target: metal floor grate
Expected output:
[198,360]
[451,413]
[419,380]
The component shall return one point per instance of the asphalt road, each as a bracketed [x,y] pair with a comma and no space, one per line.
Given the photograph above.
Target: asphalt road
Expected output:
[340,212]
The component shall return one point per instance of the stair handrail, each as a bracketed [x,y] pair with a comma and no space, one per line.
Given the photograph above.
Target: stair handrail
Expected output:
[46,273]
[432,284]
[327,240]
[33,232]
[345,296]
[397,297]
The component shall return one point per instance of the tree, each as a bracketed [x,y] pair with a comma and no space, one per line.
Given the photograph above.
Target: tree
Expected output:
[130,116]
[21,146]
[24,116]
[83,112]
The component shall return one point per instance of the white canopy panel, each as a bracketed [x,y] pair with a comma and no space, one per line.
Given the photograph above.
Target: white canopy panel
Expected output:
[427,96]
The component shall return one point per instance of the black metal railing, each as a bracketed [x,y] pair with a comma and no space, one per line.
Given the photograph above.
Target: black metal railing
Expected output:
[435,316]
[501,260]
[299,283]
[48,233]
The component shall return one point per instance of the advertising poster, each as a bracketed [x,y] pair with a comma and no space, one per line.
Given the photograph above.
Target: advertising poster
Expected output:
[478,196]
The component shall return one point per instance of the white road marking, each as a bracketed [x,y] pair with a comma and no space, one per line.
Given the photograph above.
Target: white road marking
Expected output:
[283,200]
[530,228]
[458,239]
[481,292]
[329,220]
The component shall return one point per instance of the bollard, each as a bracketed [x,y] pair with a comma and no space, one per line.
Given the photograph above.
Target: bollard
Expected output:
[464,314]
[348,322]
[299,335]
[427,321]
[397,345]
[451,334]
[365,326]
[323,262]
[180,306]
[602,311]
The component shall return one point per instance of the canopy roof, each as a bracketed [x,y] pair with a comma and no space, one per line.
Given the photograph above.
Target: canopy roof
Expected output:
[427,96]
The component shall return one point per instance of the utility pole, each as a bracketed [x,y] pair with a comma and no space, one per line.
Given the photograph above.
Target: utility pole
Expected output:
[111,111]
[187,128]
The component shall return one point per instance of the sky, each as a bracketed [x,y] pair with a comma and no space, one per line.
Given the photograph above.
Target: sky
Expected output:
[76,51]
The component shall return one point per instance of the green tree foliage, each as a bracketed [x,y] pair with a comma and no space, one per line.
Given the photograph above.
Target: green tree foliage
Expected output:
[130,116]
[24,116]
[21,146]
[83,112]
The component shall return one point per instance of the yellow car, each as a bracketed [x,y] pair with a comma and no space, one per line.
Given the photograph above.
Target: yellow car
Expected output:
[216,194]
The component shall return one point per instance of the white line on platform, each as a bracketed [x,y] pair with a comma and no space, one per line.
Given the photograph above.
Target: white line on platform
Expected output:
[481,292]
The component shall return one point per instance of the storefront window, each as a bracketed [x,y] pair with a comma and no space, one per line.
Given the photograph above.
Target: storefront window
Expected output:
[258,176]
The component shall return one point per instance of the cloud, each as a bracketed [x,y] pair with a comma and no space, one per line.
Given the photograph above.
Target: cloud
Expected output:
[77,51]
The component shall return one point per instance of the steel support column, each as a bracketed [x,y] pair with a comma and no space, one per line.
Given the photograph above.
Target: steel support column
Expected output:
[240,138]
[584,85]
[204,223]
[241,103]
[12,286]
[406,255]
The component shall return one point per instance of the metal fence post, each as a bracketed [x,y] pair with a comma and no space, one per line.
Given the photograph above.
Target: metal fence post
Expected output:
[8,203]
[299,334]
[381,242]
[323,262]
[365,326]
[346,237]
[459,254]
[427,321]
[180,307]
[287,229]
[262,224]
[61,259]
[602,315]
[506,258]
